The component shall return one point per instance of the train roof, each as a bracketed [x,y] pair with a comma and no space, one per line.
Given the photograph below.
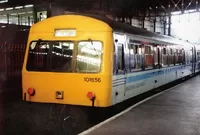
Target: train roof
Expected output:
[126,28]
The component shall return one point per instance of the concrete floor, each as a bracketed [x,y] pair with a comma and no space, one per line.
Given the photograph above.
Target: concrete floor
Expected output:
[175,112]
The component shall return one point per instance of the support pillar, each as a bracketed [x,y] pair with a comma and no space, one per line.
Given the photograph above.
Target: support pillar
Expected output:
[8,19]
[197,5]
[165,23]
[18,18]
[182,5]
[34,15]
[29,21]
[170,21]
[154,21]
[154,25]
[143,24]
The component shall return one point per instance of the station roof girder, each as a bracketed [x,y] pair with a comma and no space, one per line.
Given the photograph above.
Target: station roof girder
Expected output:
[116,7]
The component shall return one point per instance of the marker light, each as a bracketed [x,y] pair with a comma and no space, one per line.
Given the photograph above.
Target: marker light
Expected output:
[31,91]
[90,95]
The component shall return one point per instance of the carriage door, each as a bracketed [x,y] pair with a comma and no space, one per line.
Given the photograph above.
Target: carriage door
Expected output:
[119,76]
[157,62]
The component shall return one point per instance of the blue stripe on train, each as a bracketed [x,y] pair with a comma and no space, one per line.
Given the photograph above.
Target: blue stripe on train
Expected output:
[143,76]
[153,74]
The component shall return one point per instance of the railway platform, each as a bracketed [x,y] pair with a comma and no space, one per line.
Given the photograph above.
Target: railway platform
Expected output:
[173,112]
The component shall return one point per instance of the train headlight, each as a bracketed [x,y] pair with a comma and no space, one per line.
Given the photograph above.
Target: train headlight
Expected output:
[31,91]
[59,95]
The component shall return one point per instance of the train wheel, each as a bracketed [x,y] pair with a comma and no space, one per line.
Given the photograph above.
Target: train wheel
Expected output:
[72,120]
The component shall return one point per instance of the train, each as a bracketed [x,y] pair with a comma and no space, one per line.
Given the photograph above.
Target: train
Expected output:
[84,60]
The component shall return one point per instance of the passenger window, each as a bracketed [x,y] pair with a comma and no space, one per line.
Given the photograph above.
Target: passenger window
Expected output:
[136,57]
[180,56]
[198,56]
[171,57]
[183,56]
[164,56]
[114,59]
[149,57]
[188,56]
[131,57]
[120,63]
[176,56]
[156,53]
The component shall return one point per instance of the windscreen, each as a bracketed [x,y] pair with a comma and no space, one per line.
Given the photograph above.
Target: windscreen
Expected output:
[89,56]
[50,56]
[65,56]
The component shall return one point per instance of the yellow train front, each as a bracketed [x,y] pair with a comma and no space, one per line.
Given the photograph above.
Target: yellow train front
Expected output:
[68,62]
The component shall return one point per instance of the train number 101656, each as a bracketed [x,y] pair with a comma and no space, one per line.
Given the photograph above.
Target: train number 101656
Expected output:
[92,79]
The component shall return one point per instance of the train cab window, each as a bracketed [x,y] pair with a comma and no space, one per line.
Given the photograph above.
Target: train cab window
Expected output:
[38,56]
[89,56]
[120,56]
[61,57]
[149,57]
[136,57]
